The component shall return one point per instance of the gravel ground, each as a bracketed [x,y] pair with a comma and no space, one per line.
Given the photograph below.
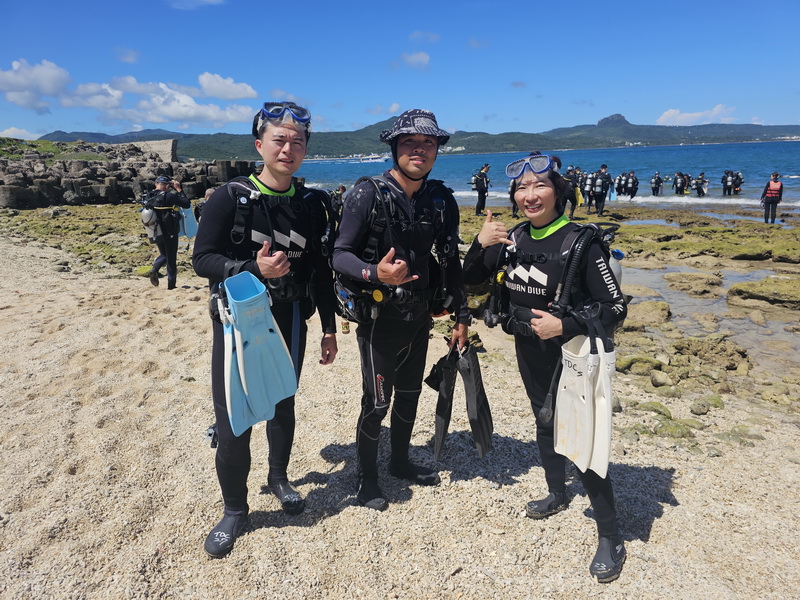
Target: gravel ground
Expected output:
[109,487]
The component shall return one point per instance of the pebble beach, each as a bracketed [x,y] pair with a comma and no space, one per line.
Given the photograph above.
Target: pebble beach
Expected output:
[109,485]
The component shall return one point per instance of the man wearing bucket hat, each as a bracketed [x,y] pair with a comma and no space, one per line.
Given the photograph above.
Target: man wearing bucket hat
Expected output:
[384,259]
[165,200]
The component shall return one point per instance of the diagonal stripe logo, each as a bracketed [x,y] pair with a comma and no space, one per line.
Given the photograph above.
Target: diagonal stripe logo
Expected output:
[287,240]
[531,273]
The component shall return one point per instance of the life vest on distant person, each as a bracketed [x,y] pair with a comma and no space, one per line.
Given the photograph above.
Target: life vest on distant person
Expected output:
[774,190]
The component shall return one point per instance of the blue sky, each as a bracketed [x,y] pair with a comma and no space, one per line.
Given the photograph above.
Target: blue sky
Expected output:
[205,66]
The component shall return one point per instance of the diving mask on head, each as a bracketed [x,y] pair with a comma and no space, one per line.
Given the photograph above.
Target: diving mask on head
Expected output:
[537,164]
[278,113]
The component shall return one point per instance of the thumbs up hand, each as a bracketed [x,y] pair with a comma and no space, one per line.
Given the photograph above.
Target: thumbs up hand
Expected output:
[272,264]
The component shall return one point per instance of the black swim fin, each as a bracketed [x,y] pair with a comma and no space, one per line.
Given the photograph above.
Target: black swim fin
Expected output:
[442,378]
[478,411]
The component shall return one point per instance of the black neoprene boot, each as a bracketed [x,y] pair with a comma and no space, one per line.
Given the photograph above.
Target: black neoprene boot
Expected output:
[415,473]
[370,495]
[608,560]
[153,275]
[292,502]
[221,539]
[543,508]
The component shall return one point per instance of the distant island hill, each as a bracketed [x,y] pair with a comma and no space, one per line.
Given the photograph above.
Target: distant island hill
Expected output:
[610,132]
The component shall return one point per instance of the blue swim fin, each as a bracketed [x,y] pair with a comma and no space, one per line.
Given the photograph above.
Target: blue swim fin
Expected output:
[188,224]
[259,371]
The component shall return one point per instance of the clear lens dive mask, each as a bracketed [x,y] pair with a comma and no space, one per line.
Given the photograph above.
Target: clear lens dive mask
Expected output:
[537,164]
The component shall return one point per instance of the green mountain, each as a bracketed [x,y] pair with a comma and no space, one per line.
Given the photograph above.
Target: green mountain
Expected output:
[611,132]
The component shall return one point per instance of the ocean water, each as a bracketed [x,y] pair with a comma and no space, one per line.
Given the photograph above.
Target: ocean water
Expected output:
[756,161]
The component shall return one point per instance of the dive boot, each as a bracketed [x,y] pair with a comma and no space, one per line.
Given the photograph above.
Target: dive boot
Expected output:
[292,502]
[608,560]
[414,473]
[371,496]
[220,541]
[543,508]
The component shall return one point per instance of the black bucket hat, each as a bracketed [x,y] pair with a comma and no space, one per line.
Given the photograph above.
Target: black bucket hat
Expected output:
[415,121]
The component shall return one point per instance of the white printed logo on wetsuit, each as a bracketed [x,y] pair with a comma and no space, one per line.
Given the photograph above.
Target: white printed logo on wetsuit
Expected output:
[280,238]
[527,274]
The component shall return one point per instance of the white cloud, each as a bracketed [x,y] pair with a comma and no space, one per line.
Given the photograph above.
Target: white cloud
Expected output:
[25,84]
[193,4]
[393,108]
[169,105]
[130,85]
[375,110]
[94,95]
[217,86]
[719,114]
[127,55]
[417,60]
[424,36]
[477,44]
[20,134]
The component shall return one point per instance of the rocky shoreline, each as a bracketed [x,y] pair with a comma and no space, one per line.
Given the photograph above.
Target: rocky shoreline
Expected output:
[117,173]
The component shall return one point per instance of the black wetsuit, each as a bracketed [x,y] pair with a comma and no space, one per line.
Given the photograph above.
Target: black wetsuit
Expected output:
[482,186]
[570,197]
[679,183]
[602,183]
[771,196]
[727,184]
[393,346]
[299,219]
[631,185]
[533,286]
[655,184]
[165,204]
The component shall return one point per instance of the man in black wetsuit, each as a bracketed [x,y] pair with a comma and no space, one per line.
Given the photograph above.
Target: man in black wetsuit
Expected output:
[602,183]
[655,184]
[384,249]
[482,186]
[631,185]
[572,179]
[278,237]
[165,200]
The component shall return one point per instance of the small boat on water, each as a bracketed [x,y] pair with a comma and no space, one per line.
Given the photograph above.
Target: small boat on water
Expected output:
[373,158]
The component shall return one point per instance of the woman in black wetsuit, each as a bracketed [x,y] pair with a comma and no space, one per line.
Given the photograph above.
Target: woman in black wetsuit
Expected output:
[532,275]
